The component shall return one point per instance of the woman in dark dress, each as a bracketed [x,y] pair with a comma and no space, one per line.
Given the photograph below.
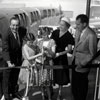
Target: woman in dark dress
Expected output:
[64,42]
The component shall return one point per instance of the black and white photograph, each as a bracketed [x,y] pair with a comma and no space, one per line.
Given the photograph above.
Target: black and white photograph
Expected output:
[49,49]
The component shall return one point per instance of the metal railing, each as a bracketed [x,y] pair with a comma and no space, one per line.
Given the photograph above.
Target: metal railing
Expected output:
[60,67]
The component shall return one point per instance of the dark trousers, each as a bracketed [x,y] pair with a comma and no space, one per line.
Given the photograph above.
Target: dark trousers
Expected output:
[79,85]
[1,84]
[10,78]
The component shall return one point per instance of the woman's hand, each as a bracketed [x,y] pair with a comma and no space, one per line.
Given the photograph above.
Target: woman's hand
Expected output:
[57,54]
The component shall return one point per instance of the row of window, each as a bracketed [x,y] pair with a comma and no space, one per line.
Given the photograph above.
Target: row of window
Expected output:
[44,13]
[94,11]
[36,15]
[49,13]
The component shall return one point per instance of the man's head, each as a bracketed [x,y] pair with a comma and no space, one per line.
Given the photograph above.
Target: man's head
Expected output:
[81,22]
[14,24]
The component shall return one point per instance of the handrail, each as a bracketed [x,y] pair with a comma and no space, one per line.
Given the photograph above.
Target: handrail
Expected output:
[53,67]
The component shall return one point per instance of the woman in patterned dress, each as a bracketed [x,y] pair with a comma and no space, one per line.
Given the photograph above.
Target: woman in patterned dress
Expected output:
[47,46]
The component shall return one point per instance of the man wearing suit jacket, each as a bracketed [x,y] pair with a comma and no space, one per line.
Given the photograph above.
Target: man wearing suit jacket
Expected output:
[12,55]
[85,49]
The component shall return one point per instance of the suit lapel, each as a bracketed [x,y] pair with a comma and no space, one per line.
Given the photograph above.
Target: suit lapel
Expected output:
[82,38]
[18,40]
[14,38]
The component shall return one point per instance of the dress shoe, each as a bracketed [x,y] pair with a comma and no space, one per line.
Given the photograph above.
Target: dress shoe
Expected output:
[16,96]
[7,99]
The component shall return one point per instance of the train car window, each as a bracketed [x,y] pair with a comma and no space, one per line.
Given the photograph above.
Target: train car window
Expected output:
[57,12]
[53,12]
[22,20]
[49,12]
[32,17]
[43,16]
[25,19]
[37,14]
[18,16]
[44,13]
[95,12]
[41,11]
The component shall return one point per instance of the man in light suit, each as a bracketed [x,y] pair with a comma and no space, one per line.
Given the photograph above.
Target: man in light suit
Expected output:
[12,56]
[85,49]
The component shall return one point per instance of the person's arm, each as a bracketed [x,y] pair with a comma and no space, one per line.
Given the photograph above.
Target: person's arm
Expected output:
[5,49]
[50,51]
[92,47]
[53,49]
[67,50]
[10,64]
[35,56]
[26,54]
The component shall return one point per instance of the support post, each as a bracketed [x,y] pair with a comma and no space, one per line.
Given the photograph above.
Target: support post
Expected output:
[88,8]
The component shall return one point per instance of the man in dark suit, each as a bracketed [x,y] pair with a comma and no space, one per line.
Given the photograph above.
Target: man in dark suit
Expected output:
[84,51]
[12,55]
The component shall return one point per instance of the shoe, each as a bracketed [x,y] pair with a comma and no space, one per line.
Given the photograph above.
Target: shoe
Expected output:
[6,98]
[43,97]
[45,94]
[64,99]
[2,98]
[16,96]
[67,85]
[15,99]
[59,97]
[56,86]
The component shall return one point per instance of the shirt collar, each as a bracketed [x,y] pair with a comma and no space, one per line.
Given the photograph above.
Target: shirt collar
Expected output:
[83,31]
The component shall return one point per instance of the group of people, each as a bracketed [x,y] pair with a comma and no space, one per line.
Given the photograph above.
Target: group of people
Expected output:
[51,51]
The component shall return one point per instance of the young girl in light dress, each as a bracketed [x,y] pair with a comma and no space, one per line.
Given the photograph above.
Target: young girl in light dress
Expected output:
[30,52]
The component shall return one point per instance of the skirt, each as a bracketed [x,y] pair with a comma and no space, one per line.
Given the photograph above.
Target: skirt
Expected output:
[24,73]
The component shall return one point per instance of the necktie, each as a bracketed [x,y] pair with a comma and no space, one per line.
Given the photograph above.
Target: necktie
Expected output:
[17,38]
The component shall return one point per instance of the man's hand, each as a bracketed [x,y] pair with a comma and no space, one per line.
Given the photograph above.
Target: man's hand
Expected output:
[10,64]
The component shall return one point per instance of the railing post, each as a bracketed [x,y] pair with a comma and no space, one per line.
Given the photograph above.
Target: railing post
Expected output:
[97,84]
